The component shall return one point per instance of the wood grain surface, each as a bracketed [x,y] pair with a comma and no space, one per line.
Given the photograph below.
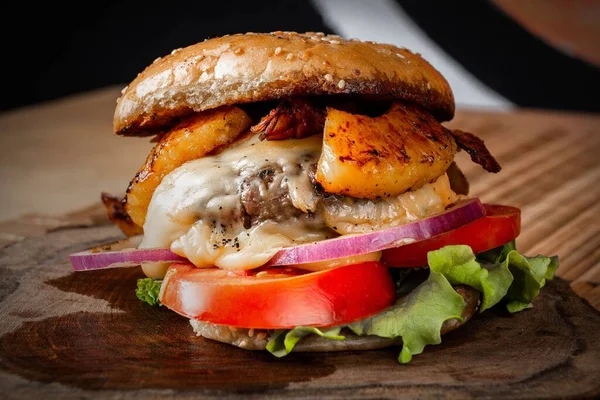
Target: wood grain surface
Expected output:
[85,335]
[72,335]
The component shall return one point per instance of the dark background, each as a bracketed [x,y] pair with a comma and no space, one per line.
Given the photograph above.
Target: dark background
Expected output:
[53,50]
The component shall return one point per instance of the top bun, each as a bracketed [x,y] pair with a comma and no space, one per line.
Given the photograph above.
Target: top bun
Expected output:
[253,67]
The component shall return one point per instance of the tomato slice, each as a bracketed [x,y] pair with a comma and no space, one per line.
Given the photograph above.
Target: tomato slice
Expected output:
[500,225]
[283,298]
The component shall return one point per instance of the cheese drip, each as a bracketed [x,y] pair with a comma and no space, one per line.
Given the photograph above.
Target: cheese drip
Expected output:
[196,209]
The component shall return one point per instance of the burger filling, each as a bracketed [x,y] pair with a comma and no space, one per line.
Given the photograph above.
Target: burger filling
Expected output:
[238,208]
[302,174]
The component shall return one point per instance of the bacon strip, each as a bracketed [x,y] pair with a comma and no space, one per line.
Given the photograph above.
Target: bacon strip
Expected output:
[115,208]
[291,119]
[477,150]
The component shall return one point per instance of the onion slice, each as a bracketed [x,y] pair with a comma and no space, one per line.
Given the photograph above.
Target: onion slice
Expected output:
[125,254]
[352,245]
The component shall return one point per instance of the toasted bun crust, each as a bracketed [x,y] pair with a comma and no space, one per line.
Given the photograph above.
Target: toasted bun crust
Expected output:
[249,339]
[251,67]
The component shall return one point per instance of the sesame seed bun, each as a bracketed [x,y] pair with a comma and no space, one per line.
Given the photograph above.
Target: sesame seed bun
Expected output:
[247,68]
[251,339]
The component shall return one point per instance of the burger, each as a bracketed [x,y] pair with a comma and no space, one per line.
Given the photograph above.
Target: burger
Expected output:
[303,195]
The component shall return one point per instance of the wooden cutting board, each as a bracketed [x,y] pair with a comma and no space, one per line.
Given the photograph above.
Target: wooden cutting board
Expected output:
[70,335]
[85,335]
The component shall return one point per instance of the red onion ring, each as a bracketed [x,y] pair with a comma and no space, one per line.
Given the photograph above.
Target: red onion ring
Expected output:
[123,253]
[108,256]
[351,245]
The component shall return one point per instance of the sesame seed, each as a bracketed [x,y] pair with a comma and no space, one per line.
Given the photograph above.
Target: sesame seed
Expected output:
[277,51]
[328,78]
[251,332]
[261,335]
[289,57]
[124,89]
[320,34]
[342,84]
[315,38]
[334,41]
[243,343]
[324,39]
[157,59]
[176,51]
[261,273]
[428,85]
[326,63]
[238,51]
[400,55]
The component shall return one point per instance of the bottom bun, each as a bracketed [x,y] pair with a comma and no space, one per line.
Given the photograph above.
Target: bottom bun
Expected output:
[257,339]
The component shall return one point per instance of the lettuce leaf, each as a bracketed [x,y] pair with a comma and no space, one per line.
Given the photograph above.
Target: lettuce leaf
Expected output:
[147,290]
[416,317]
[530,276]
[282,341]
[501,275]
[459,266]
[498,254]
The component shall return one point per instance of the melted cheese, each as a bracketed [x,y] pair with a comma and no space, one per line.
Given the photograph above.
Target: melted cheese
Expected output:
[196,209]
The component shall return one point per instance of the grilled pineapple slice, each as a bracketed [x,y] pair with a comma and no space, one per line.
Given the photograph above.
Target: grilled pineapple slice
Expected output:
[193,138]
[385,156]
